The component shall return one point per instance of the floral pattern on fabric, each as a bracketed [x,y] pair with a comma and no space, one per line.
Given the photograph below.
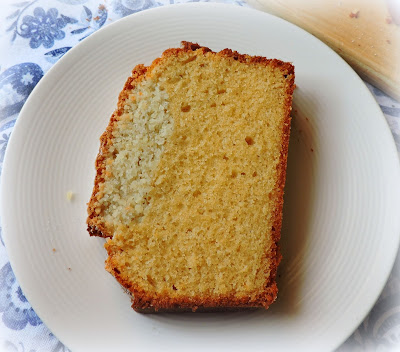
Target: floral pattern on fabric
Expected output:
[17,312]
[43,28]
[16,83]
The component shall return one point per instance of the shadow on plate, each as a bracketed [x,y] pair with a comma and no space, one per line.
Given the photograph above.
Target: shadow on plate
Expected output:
[297,212]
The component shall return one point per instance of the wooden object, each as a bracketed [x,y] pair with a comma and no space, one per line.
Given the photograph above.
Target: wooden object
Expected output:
[366,33]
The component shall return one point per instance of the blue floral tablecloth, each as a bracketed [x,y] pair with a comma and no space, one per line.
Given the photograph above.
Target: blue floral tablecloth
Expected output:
[34,34]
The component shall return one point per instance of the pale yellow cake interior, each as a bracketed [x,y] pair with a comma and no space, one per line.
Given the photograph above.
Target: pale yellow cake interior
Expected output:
[192,175]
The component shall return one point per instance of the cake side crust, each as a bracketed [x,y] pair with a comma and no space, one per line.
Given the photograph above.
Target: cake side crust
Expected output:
[95,226]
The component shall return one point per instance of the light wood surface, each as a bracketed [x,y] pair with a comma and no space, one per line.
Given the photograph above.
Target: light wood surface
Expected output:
[366,33]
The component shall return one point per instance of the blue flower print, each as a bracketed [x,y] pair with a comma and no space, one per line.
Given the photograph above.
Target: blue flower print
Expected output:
[3,145]
[16,83]
[17,312]
[127,7]
[90,23]
[54,55]
[43,28]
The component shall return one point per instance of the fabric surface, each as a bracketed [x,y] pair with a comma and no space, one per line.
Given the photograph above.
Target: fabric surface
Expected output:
[34,34]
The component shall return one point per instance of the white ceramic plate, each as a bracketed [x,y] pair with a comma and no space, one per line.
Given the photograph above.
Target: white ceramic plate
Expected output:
[341,217]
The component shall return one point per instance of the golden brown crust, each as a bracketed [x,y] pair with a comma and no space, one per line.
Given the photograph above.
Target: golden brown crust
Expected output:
[142,301]
[274,254]
[198,310]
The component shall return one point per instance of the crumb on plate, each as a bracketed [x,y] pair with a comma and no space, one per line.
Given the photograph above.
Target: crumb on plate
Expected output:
[69,195]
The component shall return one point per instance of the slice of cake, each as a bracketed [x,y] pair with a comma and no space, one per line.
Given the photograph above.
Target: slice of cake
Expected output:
[190,179]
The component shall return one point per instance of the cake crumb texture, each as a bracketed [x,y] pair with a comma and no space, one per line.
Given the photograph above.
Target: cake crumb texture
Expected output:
[190,178]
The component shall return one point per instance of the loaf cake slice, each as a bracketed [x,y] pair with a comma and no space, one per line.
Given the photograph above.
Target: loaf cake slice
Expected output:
[190,179]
